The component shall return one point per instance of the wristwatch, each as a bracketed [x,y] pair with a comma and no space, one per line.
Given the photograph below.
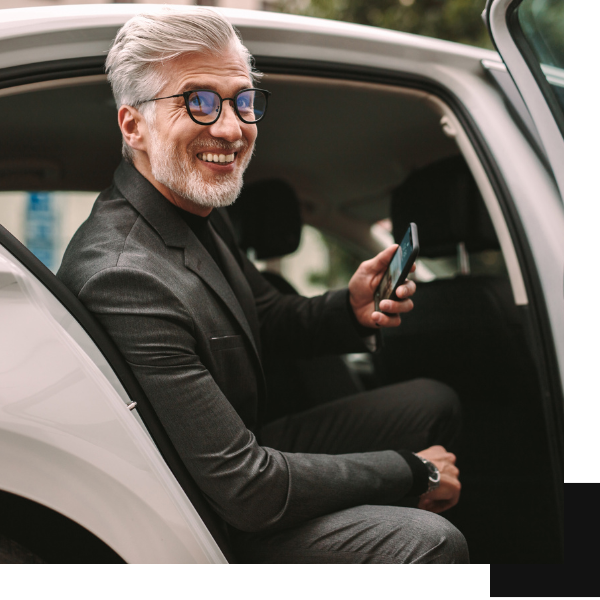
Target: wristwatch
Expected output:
[434,474]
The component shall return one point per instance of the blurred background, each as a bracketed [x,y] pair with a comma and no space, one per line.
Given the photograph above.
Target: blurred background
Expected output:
[454,20]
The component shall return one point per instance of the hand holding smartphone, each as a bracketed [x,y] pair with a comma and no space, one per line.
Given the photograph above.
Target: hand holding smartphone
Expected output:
[399,267]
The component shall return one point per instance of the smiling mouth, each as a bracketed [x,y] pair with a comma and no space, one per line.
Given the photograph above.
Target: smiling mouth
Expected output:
[222,159]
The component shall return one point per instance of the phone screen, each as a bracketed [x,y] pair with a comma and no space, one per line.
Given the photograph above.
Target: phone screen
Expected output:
[386,287]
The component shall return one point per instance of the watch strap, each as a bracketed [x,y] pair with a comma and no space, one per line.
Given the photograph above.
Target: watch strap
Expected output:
[420,473]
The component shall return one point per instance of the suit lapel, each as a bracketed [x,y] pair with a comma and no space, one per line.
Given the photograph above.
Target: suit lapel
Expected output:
[236,279]
[198,260]
[163,217]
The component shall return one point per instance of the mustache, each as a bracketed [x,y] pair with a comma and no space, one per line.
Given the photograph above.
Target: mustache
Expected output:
[216,143]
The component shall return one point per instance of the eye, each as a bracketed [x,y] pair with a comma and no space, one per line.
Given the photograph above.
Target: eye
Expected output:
[203,104]
[245,102]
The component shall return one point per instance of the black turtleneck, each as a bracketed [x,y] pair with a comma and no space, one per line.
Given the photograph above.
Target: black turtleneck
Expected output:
[200,228]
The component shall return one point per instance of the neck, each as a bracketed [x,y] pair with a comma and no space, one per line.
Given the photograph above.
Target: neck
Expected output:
[142,164]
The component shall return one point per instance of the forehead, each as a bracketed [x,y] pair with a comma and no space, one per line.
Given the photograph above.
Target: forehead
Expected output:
[222,70]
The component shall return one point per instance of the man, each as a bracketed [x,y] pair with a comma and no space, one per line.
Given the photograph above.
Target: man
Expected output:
[193,317]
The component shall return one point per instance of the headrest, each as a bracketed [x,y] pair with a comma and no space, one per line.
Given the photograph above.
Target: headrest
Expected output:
[445,203]
[266,217]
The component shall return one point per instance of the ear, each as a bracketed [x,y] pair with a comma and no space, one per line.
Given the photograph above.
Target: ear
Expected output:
[133,127]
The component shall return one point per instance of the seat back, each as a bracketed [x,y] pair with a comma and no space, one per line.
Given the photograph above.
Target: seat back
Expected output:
[266,217]
[444,201]
[457,319]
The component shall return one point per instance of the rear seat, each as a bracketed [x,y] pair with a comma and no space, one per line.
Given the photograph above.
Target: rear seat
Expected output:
[465,320]
[465,331]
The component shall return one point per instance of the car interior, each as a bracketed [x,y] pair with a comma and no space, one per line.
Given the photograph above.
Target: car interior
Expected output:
[343,157]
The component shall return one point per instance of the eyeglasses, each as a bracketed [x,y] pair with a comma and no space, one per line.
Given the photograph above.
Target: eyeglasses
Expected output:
[205,106]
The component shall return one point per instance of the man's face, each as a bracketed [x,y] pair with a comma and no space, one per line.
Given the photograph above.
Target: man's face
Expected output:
[176,145]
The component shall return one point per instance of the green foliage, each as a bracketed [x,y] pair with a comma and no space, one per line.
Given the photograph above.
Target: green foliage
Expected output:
[341,267]
[542,22]
[454,20]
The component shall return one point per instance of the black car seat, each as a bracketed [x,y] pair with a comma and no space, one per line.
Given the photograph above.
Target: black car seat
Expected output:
[467,332]
[266,217]
[465,324]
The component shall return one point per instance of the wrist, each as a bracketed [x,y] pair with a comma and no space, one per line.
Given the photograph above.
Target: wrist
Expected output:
[361,329]
[420,473]
[433,474]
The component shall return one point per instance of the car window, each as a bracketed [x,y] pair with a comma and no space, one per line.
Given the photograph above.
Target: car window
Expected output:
[323,262]
[487,262]
[542,23]
[320,263]
[45,221]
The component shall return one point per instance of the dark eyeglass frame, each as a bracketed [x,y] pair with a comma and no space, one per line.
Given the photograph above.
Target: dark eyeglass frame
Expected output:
[186,97]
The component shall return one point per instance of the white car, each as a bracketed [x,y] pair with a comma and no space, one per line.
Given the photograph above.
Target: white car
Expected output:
[370,129]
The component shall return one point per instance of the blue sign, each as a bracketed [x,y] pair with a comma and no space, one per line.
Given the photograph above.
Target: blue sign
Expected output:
[41,227]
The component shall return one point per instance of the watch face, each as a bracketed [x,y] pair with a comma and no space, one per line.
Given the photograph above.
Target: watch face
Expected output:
[434,476]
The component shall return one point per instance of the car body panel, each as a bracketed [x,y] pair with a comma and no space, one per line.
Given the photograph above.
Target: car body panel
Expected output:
[69,441]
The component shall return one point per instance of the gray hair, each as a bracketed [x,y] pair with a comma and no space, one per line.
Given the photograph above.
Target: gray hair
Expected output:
[149,40]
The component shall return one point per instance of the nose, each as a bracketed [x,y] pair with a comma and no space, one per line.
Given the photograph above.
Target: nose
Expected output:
[228,126]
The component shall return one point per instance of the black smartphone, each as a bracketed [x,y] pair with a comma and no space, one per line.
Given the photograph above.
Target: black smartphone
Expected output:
[399,266]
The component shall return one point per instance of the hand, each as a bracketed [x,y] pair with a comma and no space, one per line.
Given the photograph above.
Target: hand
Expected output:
[448,492]
[362,288]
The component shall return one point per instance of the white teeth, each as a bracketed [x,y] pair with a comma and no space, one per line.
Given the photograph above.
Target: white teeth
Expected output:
[218,158]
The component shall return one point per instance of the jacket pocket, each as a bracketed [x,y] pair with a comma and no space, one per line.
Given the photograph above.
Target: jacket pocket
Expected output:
[226,342]
[235,375]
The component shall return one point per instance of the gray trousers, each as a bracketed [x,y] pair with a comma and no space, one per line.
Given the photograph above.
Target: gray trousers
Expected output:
[412,416]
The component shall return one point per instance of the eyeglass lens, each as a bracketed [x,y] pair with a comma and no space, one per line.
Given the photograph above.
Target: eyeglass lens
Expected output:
[250,104]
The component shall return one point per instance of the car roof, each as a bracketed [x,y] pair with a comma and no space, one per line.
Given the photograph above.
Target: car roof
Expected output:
[69,31]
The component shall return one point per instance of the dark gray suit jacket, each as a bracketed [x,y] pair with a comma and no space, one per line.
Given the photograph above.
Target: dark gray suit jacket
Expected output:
[194,344]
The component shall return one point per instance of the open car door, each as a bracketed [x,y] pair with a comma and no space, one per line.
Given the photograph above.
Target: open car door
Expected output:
[529,35]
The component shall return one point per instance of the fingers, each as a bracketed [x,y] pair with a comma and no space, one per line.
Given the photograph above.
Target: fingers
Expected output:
[439,456]
[379,263]
[395,308]
[382,320]
[404,292]
[442,498]
[439,506]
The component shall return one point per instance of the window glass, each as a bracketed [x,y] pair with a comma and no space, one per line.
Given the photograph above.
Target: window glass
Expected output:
[323,262]
[320,263]
[542,23]
[488,262]
[45,222]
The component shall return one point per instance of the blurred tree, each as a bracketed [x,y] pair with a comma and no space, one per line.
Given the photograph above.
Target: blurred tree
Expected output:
[342,265]
[454,20]
[542,22]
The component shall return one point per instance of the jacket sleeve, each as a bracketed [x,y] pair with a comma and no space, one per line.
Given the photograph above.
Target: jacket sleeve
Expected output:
[253,488]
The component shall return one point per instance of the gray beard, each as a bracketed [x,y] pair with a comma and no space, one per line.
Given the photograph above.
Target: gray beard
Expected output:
[181,175]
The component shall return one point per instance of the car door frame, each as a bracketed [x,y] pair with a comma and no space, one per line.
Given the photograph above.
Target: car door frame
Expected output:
[501,19]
